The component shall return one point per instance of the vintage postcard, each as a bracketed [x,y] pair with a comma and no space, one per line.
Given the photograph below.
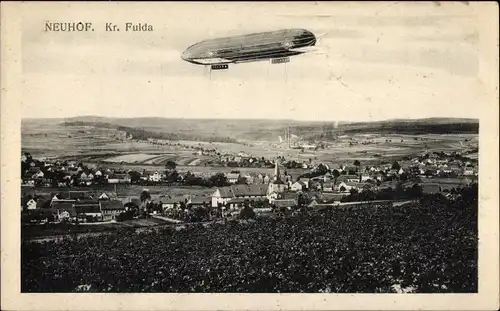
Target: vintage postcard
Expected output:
[241,156]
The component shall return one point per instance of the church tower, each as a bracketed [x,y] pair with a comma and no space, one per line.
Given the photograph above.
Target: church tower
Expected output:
[277,175]
[277,186]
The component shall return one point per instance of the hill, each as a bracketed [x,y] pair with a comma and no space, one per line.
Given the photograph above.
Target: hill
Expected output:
[399,126]
[231,130]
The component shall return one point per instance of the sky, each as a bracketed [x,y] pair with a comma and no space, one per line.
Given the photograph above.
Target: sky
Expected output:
[374,61]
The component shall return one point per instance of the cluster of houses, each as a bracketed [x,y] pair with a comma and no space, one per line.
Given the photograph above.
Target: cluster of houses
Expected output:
[81,206]
[243,159]
[435,173]
[86,206]
[65,174]
[72,174]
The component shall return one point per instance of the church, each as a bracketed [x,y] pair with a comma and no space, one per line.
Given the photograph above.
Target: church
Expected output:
[276,187]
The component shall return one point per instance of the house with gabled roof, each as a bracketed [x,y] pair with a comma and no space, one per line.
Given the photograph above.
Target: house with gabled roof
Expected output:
[64,211]
[83,176]
[365,177]
[298,186]
[348,178]
[249,178]
[88,208]
[38,175]
[359,185]
[200,201]
[328,186]
[341,187]
[31,204]
[232,178]
[119,178]
[107,196]
[238,203]
[223,195]
[468,171]
[28,181]
[170,203]
[111,209]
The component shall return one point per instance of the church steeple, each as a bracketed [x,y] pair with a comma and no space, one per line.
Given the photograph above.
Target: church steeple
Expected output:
[277,175]
[277,186]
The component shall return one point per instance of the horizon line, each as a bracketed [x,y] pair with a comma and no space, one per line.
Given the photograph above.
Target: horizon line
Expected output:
[246,119]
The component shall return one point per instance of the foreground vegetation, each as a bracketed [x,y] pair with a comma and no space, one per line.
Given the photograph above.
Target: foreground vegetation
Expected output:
[429,246]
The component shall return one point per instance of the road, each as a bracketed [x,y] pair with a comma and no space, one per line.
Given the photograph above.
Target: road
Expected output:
[60,237]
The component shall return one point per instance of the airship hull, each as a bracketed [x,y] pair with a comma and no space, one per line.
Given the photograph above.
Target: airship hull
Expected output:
[252,47]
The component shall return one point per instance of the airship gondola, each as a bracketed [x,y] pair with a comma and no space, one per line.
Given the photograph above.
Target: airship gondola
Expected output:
[277,46]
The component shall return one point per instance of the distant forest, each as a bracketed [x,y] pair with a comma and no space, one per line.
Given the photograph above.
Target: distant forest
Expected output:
[402,127]
[417,128]
[141,134]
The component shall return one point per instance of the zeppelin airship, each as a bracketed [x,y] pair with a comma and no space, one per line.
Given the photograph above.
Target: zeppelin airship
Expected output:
[276,46]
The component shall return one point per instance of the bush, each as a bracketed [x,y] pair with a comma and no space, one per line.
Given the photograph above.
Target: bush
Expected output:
[125,216]
[247,213]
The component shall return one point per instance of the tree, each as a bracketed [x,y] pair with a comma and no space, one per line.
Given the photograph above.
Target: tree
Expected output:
[128,215]
[170,165]
[261,204]
[172,175]
[218,180]
[193,180]
[403,177]
[395,165]
[133,208]
[145,196]
[368,195]
[247,213]
[356,163]
[335,173]
[302,200]
[321,169]
[134,176]
[29,157]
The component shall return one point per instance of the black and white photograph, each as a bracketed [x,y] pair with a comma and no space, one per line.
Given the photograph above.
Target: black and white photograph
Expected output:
[251,148]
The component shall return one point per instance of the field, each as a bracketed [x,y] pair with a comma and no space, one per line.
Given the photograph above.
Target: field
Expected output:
[100,144]
[182,158]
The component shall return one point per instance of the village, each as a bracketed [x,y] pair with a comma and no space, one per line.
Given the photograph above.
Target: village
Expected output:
[77,195]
